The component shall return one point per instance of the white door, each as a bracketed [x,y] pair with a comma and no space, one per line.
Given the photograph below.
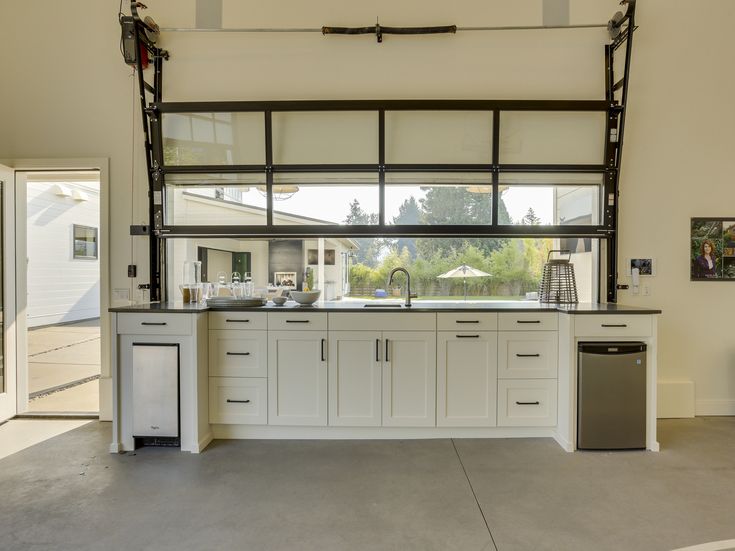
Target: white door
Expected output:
[409,379]
[354,378]
[8,391]
[467,379]
[297,378]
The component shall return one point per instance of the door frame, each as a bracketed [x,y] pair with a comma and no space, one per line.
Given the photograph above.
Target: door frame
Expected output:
[63,165]
[9,400]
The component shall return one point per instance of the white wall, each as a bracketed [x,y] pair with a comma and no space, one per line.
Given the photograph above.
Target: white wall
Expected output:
[60,287]
[71,96]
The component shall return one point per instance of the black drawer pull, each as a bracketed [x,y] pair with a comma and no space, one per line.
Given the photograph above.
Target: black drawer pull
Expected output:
[614,325]
[238,353]
[153,323]
[297,321]
[237,321]
[528,355]
[528,403]
[467,321]
[237,401]
[528,321]
[468,336]
[387,359]
[324,341]
[377,350]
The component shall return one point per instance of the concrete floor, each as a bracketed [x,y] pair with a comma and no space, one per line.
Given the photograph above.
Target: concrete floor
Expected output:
[68,493]
[60,356]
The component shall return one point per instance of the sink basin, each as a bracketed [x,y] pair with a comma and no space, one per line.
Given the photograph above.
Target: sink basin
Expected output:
[383,305]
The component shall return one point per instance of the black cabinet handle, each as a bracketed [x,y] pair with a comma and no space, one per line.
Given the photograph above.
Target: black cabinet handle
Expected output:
[297,321]
[467,321]
[528,321]
[324,341]
[153,323]
[528,403]
[377,350]
[614,325]
[237,401]
[237,321]
[238,353]
[528,355]
[386,350]
[468,336]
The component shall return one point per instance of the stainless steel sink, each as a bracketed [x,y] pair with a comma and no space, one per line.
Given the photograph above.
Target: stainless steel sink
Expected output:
[383,305]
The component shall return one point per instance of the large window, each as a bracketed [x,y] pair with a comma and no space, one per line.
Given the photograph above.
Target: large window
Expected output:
[423,184]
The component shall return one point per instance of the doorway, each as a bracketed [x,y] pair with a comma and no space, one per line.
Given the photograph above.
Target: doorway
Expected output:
[58,291]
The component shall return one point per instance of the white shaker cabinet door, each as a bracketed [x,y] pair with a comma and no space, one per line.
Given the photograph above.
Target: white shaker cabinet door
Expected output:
[409,378]
[297,378]
[354,378]
[466,379]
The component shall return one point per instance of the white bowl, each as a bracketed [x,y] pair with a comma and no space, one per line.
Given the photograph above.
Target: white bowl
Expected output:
[305,297]
[279,301]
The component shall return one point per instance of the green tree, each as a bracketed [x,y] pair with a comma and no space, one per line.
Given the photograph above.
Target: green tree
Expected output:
[530,218]
[368,248]
[409,214]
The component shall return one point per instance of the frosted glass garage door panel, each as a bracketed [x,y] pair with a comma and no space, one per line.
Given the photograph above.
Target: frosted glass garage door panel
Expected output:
[413,137]
[213,139]
[321,137]
[552,137]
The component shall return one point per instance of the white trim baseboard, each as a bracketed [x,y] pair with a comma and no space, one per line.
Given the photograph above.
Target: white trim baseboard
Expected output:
[715,407]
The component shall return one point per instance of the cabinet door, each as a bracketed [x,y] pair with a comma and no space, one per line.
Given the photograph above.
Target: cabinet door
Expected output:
[409,379]
[297,378]
[354,378]
[466,379]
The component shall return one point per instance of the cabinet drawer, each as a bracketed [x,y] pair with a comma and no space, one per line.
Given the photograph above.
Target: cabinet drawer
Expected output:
[238,353]
[527,402]
[617,325]
[527,354]
[467,321]
[297,321]
[382,321]
[528,321]
[154,324]
[238,320]
[238,401]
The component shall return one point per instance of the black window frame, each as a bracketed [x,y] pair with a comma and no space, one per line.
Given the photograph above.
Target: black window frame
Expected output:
[607,169]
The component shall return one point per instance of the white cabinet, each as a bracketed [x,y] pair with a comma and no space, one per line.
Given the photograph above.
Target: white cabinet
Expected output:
[527,402]
[409,378]
[354,378]
[235,353]
[297,377]
[466,379]
[528,354]
[241,401]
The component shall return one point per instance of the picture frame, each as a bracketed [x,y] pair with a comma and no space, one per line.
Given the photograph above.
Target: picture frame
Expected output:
[646,266]
[312,257]
[712,249]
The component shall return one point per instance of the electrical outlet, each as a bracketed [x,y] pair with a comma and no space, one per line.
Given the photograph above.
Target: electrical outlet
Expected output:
[646,291]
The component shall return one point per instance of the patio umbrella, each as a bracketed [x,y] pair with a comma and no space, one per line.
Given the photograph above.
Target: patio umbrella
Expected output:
[464,271]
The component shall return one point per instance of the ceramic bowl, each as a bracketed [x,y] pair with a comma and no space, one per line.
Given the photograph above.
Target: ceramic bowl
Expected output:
[305,297]
[279,301]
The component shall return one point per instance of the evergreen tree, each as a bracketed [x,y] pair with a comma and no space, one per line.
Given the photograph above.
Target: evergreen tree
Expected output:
[409,214]
[530,218]
[369,248]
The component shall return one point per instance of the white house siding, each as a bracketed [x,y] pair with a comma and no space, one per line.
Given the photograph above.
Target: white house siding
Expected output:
[61,288]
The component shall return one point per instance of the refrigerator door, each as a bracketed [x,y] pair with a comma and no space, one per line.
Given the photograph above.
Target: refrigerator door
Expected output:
[611,396]
[155,390]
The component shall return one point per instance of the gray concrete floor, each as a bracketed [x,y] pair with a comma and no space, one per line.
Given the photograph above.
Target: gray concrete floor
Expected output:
[61,356]
[68,493]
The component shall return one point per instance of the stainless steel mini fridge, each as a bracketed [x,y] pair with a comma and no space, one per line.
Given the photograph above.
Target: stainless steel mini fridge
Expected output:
[155,393]
[611,396]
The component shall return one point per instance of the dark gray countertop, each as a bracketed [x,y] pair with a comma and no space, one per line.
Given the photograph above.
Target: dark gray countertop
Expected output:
[419,306]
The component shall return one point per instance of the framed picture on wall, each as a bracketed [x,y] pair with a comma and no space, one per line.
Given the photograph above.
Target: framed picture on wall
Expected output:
[712,249]
[313,257]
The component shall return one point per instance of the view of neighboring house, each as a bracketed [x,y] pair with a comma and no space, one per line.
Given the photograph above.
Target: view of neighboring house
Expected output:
[63,249]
